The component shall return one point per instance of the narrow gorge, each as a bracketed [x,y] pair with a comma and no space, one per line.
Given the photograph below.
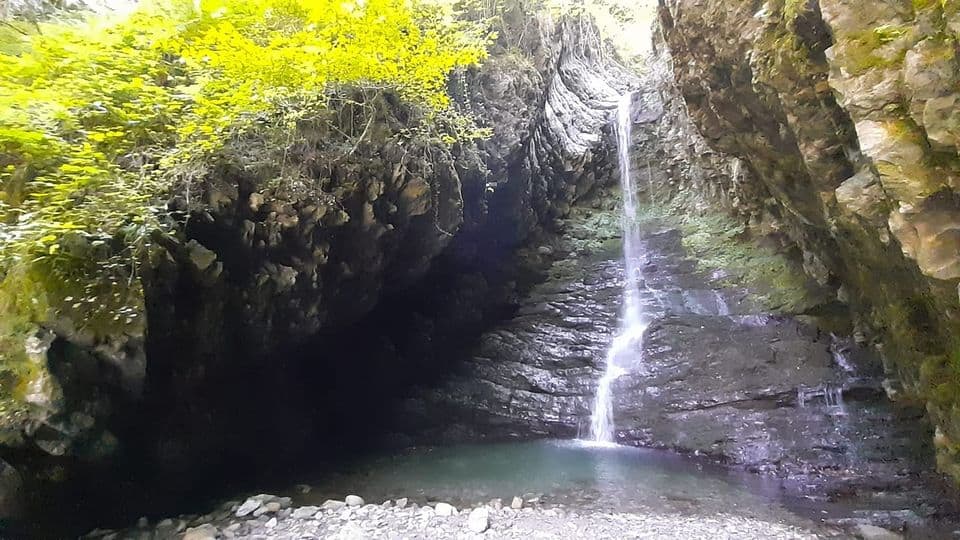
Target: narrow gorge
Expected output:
[503,269]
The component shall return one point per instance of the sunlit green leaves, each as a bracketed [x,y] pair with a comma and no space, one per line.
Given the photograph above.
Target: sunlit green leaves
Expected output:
[84,107]
[100,118]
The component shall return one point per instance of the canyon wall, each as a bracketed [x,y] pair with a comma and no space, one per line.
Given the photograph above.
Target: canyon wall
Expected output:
[843,117]
[303,283]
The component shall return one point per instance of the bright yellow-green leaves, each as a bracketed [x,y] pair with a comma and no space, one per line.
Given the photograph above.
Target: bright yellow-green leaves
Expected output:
[96,117]
[100,119]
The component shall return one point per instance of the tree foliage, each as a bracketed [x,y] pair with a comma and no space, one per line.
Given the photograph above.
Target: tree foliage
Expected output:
[94,118]
[100,116]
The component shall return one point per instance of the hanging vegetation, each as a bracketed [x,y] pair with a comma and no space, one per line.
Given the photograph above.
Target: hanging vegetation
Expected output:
[100,117]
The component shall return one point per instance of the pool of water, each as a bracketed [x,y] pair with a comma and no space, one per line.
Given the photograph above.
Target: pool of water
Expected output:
[576,475]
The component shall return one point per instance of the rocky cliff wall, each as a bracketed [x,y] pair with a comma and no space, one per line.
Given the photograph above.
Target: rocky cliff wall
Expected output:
[306,282]
[842,115]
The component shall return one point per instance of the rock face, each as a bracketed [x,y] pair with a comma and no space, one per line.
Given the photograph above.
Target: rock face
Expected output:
[284,262]
[262,266]
[842,117]
[757,386]
[767,393]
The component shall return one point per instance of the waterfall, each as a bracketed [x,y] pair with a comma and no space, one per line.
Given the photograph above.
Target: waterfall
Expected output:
[723,309]
[633,321]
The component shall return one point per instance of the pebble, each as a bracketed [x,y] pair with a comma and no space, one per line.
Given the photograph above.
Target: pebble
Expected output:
[331,504]
[872,532]
[401,503]
[305,512]
[248,507]
[354,500]
[272,523]
[517,503]
[445,510]
[260,511]
[479,520]
[203,532]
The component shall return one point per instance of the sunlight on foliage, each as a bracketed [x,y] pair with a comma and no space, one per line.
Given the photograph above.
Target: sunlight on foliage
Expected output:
[627,24]
[93,117]
[100,117]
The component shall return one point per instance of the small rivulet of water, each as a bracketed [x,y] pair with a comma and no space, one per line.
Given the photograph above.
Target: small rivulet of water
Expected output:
[634,321]
[827,395]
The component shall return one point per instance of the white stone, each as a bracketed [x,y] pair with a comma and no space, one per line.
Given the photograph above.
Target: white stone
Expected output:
[445,510]
[402,503]
[517,503]
[248,507]
[479,520]
[331,504]
[203,532]
[272,523]
[305,512]
[351,531]
[354,500]
[872,532]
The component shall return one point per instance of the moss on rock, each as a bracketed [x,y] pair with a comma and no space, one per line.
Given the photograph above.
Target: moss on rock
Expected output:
[719,243]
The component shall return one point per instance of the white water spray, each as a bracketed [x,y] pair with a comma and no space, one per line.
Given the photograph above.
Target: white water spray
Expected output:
[634,321]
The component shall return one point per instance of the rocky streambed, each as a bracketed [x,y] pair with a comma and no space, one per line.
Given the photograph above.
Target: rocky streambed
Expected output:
[266,516]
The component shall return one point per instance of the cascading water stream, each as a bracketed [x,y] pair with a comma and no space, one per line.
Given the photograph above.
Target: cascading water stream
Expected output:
[633,321]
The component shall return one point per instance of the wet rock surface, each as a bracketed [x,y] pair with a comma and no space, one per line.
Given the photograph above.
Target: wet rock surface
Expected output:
[767,393]
[840,115]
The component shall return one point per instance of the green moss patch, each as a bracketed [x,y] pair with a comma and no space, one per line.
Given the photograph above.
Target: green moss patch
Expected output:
[717,242]
[873,48]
